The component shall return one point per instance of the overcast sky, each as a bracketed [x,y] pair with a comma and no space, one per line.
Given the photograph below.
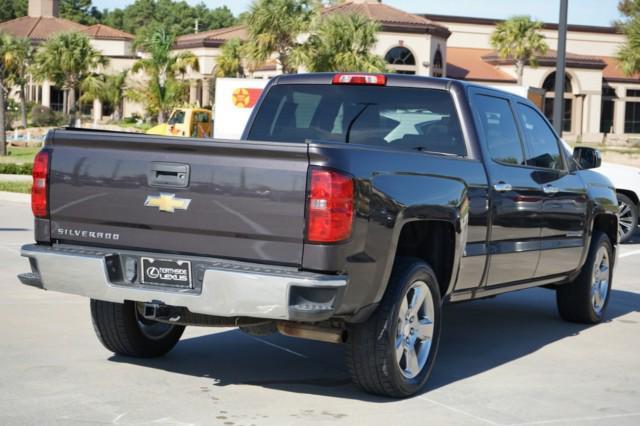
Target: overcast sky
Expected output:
[585,12]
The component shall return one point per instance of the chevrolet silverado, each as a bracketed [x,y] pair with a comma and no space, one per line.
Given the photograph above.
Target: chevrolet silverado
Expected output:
[352,209]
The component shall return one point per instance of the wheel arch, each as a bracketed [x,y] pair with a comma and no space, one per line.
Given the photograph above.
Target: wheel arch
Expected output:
[435,242]
[632,195]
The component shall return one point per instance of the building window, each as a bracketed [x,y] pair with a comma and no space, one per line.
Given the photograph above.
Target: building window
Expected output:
[401,60]
[56,99]
[607,108]
[549,87]
[609,91]
[437,68]
[566,120]
[632,117]
[633,93]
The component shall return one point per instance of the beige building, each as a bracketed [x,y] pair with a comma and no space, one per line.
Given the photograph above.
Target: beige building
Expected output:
[600,99]
[42,21]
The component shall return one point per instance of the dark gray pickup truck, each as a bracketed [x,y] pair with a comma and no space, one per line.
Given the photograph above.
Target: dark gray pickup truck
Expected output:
[353,208]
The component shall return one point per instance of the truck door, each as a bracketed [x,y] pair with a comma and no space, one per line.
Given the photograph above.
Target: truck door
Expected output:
[516,196]
[564,208]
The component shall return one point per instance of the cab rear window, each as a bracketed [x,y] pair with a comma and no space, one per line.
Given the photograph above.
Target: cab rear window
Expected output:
[394,117]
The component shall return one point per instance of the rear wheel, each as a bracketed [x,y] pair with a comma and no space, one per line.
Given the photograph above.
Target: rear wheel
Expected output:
[122,329]
[628,222]
[393,353]
[586,298]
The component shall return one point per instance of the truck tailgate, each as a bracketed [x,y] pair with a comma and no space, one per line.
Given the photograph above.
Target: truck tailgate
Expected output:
[242,200]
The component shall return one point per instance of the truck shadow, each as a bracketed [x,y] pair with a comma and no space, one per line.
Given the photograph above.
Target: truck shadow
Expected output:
[477,337]
[635,239]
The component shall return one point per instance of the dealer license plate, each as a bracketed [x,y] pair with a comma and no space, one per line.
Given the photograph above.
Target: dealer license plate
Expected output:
[175,273]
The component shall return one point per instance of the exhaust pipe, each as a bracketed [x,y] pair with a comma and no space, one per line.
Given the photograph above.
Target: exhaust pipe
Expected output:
[304,331]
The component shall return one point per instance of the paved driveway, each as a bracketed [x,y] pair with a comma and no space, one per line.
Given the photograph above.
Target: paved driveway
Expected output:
[508,360]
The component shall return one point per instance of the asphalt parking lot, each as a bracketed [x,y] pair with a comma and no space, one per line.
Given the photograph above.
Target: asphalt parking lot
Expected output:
[503,361]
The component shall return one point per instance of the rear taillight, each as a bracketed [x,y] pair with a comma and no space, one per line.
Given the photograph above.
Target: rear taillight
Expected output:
[39,204]
[360,79]
[330,206]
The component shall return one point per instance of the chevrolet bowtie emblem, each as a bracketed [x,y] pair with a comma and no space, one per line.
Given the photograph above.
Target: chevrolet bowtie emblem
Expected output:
[167,202]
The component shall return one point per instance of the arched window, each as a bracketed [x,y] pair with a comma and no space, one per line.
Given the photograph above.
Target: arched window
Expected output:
[550,83]
[401,60]
[437,69]
[549,86]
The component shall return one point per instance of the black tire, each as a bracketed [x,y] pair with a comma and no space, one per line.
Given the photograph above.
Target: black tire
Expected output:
[120,329]
[628,224]
[371,346]
[576,302]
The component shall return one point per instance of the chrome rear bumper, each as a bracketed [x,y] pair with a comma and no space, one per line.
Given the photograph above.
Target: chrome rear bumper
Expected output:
[226,288]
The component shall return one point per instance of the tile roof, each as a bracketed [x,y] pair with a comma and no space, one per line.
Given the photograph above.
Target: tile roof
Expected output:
[105,32]
[613,72]
[390,18]
[43,27]
[468,64]
[211,38]
[549,59]
[39,28]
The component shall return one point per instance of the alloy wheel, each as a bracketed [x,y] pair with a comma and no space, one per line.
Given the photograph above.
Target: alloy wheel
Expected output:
[415,328]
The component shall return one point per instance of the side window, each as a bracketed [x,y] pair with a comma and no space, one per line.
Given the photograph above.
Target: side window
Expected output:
[500,131]
[543,149]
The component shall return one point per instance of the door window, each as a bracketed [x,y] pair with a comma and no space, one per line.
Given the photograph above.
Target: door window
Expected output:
[500,131]
[542,144]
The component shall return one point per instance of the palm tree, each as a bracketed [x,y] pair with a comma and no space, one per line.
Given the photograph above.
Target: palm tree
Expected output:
[518,38]
[5,61]
[67,59]
[343,43]
[162,91]
[230,63]
[274,27]
[629,53]
[107,88]
[22,56]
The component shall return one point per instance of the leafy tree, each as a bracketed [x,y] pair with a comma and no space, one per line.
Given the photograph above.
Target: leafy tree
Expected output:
[343,43]
[163,90]
[67,59]
[12,9]
[629,53]
[177,17]
[519,38]
[80,11]
[274,27]
[22,57]
[212,19]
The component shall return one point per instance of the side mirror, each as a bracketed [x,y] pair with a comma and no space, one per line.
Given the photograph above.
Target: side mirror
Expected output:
[587,158]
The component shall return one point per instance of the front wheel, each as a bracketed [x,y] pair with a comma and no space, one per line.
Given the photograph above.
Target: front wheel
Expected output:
[122,329]
[585,299]
[628,223]
[393,353]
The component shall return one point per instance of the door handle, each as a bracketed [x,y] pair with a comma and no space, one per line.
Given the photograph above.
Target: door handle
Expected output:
[502,187]
[169,174]
[548,189]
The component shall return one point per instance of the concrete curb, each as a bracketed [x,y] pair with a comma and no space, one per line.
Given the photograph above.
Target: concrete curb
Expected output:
[15,197]
[15,178]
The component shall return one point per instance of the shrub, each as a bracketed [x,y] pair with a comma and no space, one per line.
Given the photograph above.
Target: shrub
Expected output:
[42,116]
[16,169]
[133,119]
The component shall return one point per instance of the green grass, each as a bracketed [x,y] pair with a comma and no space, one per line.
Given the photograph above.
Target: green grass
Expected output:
[23,187]
[143,127]
[20,155]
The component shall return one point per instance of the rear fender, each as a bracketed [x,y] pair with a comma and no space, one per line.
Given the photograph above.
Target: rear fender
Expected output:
[402,199]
